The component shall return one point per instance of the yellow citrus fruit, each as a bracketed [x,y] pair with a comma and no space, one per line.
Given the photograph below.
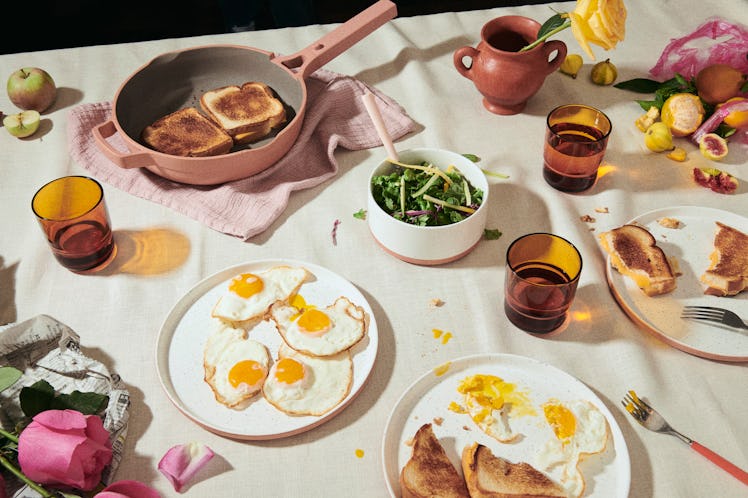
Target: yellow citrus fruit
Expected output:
[682,113]
[736,119]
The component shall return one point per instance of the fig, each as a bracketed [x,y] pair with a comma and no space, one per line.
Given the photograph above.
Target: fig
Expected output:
[718,83]
[713,147]
[571,65]
[604,73]
[658,138]
[716,180]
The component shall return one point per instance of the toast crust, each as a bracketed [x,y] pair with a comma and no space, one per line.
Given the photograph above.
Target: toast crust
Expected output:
[248,112]
[727,274]
[429,473]
[187,133]
[490,476]
[634,253]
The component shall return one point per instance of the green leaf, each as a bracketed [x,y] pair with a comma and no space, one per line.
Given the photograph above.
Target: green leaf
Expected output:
[639,85]
[472,157]
[554,22]
[36,398]
[8,377]
[491,234]
[360,214]
[87,403]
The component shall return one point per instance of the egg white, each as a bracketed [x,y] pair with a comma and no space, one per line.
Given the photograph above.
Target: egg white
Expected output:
[225,347]
[561,457]
[280,283]
[347,328]
[327,381]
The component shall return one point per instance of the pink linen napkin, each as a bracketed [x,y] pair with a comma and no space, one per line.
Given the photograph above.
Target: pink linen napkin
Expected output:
[335,116]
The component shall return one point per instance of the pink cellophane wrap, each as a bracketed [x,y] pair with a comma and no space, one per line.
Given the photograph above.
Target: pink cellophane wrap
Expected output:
[715,41]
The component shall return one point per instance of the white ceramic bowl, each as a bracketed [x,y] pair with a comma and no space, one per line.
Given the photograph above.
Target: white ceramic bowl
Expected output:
[432,245]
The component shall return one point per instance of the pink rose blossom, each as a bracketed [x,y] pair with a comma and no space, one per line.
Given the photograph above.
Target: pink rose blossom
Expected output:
[182,462]
[65,447]
[127,489]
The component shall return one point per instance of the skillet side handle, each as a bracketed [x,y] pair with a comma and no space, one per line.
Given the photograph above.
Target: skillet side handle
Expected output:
[126,161]
[334,43]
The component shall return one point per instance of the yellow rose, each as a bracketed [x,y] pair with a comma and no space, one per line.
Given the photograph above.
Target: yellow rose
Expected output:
[602,22]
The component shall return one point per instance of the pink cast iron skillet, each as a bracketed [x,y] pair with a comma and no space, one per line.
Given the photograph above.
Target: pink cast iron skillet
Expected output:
[175,80]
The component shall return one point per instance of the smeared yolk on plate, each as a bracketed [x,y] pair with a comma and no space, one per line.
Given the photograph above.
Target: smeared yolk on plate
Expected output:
[442,369]
[314,321]
[289,371]
[248,372]
[246,285]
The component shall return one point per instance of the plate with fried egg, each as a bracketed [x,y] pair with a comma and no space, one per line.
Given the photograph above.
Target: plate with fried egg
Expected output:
[267,349]
[522,409]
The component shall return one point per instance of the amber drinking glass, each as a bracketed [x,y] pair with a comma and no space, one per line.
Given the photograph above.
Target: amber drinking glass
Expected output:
[542,273]
[73,216]
[576,137]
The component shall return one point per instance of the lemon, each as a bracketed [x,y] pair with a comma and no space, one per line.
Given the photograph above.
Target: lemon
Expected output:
[604,73]
[571,65]
[682,113]
[736,119]
[658,138]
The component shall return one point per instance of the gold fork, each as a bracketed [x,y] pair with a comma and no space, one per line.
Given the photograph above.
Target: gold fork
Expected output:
[652,420]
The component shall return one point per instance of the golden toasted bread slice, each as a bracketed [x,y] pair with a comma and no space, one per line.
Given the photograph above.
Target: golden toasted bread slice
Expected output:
[188,133]
[429,473]
[634,253]
[727,274]
[248,113]
[490,476]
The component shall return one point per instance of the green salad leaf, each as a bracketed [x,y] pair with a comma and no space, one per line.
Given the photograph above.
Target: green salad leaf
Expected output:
[424,195]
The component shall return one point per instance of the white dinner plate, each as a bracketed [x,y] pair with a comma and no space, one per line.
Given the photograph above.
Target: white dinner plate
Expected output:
[179,354]
[606,474]
[690,244]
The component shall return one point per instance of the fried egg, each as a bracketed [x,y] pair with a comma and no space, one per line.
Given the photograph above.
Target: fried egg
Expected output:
[250,295]
[299,384]
[489,401]
[320,332]
[578,429]
[235,366]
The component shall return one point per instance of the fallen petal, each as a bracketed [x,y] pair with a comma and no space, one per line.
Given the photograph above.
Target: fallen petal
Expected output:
[128,489]
[181,462]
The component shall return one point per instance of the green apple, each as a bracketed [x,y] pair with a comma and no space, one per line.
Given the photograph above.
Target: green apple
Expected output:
[32,88]
[23,124]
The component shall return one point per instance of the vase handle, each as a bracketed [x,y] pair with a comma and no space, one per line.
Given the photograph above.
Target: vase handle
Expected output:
[554,46]
[458,57]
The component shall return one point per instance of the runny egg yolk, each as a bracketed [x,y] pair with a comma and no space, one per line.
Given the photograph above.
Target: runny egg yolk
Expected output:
[246,285]
[486,390]
[247,372]
[561,419]
[289,371]
[314,320]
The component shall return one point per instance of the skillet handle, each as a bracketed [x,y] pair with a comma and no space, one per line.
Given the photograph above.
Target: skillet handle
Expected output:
[337,41]
[126,161]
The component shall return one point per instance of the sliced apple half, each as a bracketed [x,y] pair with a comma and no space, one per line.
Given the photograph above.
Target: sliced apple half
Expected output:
[23,124]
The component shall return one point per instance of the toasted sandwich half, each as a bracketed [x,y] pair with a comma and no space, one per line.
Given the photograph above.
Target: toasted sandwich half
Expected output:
[248,113]
[429,471]
[490,476]
[634,253]
[188,133]
[727,274]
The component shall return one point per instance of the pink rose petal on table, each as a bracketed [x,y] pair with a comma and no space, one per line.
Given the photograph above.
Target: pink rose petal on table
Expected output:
[127,489]
[181,462]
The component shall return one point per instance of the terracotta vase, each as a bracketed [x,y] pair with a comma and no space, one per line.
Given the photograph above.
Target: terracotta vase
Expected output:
[506,77]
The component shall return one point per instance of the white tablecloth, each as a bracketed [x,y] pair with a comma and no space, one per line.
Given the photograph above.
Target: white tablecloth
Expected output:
[118,314]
